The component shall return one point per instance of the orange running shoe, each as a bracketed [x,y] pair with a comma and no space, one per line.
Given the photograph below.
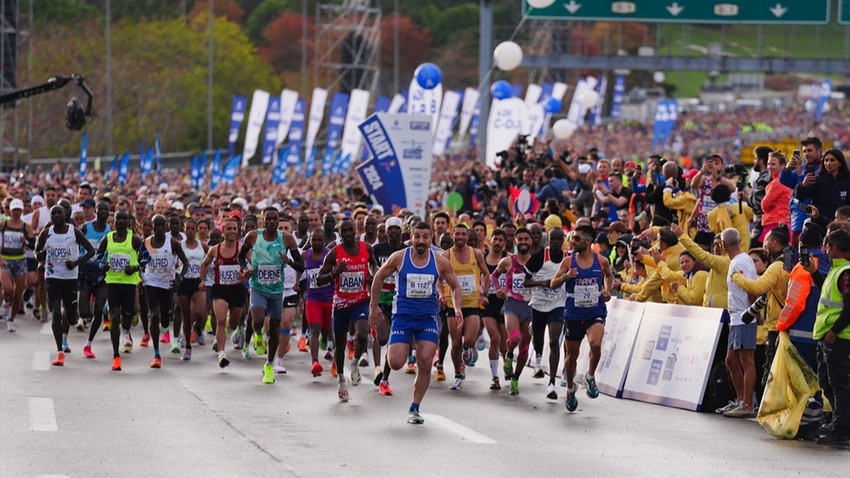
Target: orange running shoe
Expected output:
[157,362]
[60,359]
[351,346]
[116,363]
[302,345]
[317,369]
[384,388]
[87,353]
[333,369]
[146,340]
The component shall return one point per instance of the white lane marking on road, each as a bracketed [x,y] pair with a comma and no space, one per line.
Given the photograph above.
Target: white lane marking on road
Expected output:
[54,476]
[42,416]
[41,360]
[458,429]
[46,328]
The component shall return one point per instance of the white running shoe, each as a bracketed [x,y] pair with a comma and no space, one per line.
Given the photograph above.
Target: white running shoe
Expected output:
[458,381]
[355,375]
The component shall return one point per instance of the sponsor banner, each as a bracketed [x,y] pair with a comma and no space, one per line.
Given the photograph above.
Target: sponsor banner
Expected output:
[425,102]
[618,96]
[351,138]
[317,114]
[503,126]
[288,99]
[84,156]
[470,103]
[270,137]
[237,114]
[296,134]
[451,102]
[259,104]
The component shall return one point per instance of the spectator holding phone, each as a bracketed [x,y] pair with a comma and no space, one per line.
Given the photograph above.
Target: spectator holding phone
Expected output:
[792,175]
[829,189]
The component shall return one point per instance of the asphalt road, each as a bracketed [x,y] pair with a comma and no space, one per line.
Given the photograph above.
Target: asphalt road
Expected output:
[194,419]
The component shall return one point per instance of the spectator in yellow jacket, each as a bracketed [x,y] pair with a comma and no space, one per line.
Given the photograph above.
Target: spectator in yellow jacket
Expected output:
[718,263]
[687,287]
[669,247]
[738,215]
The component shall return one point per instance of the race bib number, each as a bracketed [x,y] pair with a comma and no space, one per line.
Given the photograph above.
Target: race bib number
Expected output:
[228,275]
[351,282]
[118,262]
[312,274]
[268,274]
[420,286]
[195,269]
[586,295]
[13,240]
[159,264]
[550,293]
[467,284]
[60,252]
[516,284]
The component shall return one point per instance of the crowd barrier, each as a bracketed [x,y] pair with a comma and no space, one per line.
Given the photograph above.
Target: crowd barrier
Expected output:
[657,353]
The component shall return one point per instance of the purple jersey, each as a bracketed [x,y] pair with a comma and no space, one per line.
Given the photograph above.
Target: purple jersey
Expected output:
[311,270]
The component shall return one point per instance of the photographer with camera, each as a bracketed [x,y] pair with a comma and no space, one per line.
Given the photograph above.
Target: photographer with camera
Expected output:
[796,169]
[760,160]
[829,189]
[676,197]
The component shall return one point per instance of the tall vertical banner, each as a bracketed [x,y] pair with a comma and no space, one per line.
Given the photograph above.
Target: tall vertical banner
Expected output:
[445,127]
[470,102]
[351,137]
[158,159]
[317,114]
[617,97]
[503,126]
[666,113]
[425,102]
[237,114]
[382,104]
[533,94]
[270,136]
[596,112]
[288,99]
[215,175]
[401,150]
[84,156]
[475,124]
[296,134]
[825,92]
[196,172]
[142,159]
[230,169]
[535,116]
[259,104]
[124,168]
[339,107]
[396,104]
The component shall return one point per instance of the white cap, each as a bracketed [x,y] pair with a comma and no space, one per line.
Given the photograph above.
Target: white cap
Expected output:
[394,221]
[262,205]
[583,168]
[37,199]
[163,187]
[378,207]
[335,207]
[241,202]
[16,204]
[178,206]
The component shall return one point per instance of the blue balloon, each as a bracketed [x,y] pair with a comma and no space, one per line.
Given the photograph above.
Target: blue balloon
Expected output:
[552,106]
[501,90]
[428,75]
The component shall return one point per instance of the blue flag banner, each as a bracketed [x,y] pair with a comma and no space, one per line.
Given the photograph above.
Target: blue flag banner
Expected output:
[666,113]
[617,98]
[158,160]
[546,89]
[124,168]
[237,114]
[329,160]
[202,168]
[296,134]
[84,156]
[195,171]
[231,169]
[825,92]
[113,167]
[215,176]
[279,173]
[336,119]
[474,125]
[516,90]
[374,184]
[270,136]
[142,159]
[382,105]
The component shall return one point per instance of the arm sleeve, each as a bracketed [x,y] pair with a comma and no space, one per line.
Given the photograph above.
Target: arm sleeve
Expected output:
[652,284]
[788,178]
[767,281]
[716,263]
[693,294]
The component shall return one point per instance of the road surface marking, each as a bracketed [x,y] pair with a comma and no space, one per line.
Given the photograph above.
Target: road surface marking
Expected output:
[47,327]
[42,416]
[458,429]
[41,360]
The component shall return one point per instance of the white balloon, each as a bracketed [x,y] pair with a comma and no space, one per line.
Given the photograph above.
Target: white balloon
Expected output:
[563,129]
[540,3]
[588,98]
[658,76]
[507,55]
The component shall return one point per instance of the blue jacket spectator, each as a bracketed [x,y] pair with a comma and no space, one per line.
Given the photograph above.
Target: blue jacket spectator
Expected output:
[829,189]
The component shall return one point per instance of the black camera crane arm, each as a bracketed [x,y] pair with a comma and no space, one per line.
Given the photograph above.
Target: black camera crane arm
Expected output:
[56,83]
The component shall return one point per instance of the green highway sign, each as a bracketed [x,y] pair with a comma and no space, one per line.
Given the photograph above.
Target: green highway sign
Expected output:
[789,12]
[844,12]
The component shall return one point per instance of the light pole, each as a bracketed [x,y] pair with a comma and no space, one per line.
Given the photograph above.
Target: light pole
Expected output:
[210,81]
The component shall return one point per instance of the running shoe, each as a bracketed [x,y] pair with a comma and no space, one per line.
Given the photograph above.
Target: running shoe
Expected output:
[316,369]
[329,355]
[741,411]
[193,336]
[342,392]
[474,358]
[81,324]
[246,354]
[729,406]
[364,360]
[552,395]
[411,365]
[65,347]
[87,353]
[268,374]
[384,389]
[539,373]
[441,375]
[106,327]
[60,359]
[278,365]
[463,371]
[564,381]
[323,344]
[456,383]
[215,346]
[199,338]
[592,391]
[351,346]
[157,362]
[355,375]
[187,355]
[146,340]
[10,326]
[175,347]
[165,338]
[302,345]
[481,343]
[334,373]
[508,368]
[466,356]
[36,313]
[236,336]
[135,321]
[116,364]
[222,360]
[5,308]
[571,402]
[495,385]
[833,439]
[128,343]
[379,375]
[414,418]
[259,344]
[514,387]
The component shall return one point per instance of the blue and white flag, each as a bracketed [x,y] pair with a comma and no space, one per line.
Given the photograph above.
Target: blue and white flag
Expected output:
[352,140]
[467,109]
[546,90]
[84,156]
[279,172]
[296,134]
[142,159]
[665,120]
[596,112]
[158,159]
[202,169]
[825,92]
[270,136]
[336,122]
[475,124]
[503,126]
[314,121]
[215,176]
[196,172]
[256,115]
[445,127]
[617,98]
[237,114]
[113,167]
[124,168]
[382,105]
[231,169]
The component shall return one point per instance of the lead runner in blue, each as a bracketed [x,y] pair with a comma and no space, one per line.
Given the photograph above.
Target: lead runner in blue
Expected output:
[416,312]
